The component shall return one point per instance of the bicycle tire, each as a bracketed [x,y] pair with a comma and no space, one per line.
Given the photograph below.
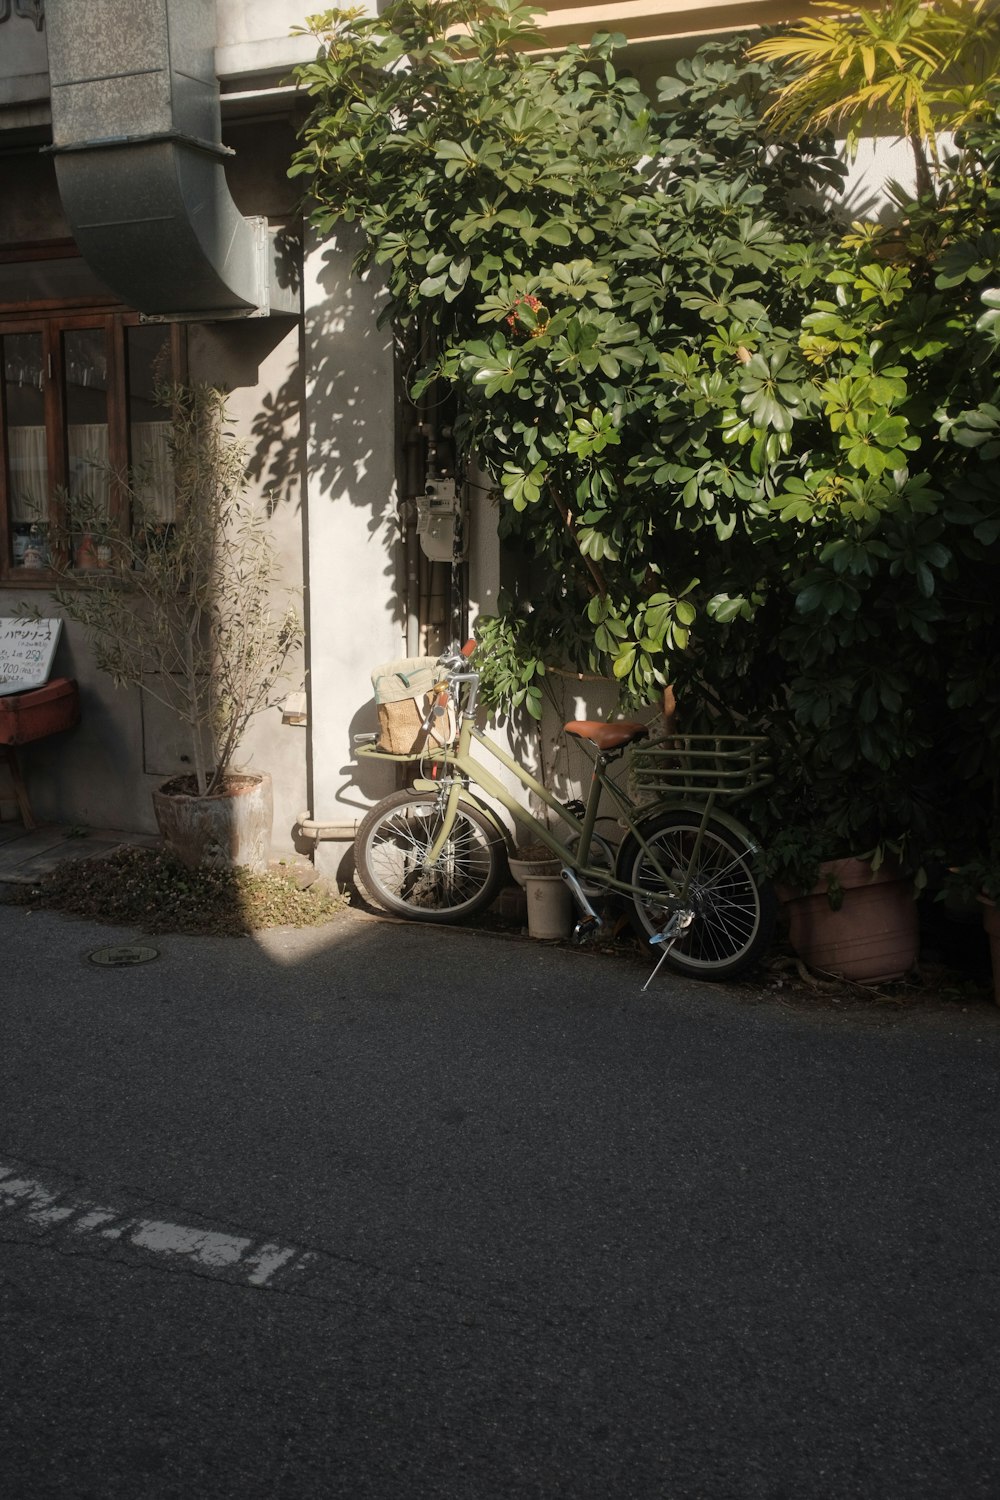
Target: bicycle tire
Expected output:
[735,909]
[388,859]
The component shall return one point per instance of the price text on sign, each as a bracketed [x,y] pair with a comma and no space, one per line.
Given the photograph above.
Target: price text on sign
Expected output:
[27,648]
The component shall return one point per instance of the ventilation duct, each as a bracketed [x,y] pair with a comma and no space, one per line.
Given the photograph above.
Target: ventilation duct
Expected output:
[141,170]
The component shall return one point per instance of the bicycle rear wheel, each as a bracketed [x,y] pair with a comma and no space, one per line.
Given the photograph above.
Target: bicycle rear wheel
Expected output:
[734,908]
[391,848]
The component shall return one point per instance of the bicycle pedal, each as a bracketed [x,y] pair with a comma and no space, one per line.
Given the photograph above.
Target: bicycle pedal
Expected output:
[587,928]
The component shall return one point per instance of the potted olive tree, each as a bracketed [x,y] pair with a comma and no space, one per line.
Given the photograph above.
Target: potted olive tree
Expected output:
[182,609]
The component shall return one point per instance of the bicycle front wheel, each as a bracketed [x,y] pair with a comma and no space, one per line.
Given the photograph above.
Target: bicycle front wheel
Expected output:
[390,853]
[734,908]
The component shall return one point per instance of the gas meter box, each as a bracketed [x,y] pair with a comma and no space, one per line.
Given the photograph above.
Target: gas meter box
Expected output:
[439,521]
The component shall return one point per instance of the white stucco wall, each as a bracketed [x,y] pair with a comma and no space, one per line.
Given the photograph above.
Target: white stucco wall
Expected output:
[353,564]
[876,164]
[254,36]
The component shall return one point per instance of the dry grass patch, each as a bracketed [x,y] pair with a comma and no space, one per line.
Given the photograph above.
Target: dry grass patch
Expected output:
[150,889]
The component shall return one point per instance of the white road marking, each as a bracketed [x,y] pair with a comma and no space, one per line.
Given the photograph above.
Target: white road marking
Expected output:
[253,1261]
[37,1201]
[93,1219]
[212,1250]
[269,1258]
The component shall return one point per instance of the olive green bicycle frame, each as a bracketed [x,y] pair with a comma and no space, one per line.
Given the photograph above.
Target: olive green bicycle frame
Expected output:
[464,772]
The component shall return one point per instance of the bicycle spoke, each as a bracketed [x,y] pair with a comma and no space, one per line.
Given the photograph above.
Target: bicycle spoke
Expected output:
[710,868]
[400,860]
[392,860]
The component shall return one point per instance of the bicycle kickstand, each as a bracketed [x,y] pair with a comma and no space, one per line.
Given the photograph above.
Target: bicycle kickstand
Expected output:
[679,923]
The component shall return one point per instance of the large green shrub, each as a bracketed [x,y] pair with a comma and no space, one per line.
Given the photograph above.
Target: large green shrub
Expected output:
[752,450]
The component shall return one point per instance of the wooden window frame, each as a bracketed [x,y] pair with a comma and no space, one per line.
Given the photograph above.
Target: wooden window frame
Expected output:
[52,322]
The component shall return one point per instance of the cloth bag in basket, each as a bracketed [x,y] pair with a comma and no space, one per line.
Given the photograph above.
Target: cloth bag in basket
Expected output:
[402,699]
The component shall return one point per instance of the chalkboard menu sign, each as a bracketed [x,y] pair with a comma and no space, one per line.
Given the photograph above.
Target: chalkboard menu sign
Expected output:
[26,651]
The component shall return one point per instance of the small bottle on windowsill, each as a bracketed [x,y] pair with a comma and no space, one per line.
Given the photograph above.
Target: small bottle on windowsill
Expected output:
[20,543]
[36,553]
[86,552]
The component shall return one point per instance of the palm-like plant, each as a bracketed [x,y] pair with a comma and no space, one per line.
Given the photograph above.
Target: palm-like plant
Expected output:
[915,66]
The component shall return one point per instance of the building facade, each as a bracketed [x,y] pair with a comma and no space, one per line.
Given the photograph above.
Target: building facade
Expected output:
[147,223]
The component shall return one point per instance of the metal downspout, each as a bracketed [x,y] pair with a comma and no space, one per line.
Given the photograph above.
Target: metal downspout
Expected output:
[136,128]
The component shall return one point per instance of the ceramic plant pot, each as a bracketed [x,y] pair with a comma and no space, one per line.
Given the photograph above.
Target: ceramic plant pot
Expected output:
[871,938]
[523,870]
[550,907]
[232,827]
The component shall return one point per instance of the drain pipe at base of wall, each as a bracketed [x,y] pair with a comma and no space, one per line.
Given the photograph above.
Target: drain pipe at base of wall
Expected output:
[315,829]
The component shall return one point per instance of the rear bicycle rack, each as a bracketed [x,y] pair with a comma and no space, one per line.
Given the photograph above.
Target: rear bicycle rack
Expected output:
[700,766]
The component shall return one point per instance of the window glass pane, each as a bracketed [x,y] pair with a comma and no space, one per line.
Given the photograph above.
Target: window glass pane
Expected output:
[88,473]
[149,368]
[97,367]
[27,462]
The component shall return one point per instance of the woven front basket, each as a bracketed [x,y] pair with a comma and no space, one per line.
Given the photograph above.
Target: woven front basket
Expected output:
[402,701]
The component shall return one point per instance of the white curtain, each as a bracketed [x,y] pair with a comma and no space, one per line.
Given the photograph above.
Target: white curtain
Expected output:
[87,450]
[29,474]
[154,467]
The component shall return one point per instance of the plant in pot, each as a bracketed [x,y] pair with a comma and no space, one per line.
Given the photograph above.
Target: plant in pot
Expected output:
[839,866]
[857,919]
[182,609]
[531,861]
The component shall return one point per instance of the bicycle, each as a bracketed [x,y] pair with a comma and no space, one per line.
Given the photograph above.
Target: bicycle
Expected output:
[687,871]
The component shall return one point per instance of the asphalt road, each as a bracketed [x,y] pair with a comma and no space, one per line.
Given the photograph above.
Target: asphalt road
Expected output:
[380,1211]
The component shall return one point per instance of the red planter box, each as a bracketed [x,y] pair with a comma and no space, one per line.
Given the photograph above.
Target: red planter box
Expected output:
[39,712]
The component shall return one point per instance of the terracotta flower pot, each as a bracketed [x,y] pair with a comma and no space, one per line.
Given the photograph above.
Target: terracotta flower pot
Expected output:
[872,937]
[232,827]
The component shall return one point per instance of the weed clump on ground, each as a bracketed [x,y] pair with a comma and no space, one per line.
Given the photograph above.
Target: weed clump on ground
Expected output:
[148,888]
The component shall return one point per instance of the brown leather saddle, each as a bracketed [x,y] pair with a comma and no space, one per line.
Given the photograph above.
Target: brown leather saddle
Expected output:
[605,737]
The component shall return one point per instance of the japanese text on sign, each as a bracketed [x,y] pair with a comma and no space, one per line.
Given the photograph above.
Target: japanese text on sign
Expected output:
[26,651]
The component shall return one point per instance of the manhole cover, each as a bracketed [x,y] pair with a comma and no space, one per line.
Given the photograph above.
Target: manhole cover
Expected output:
[121,958]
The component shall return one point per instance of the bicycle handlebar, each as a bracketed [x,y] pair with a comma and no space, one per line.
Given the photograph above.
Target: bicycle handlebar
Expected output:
[453,659]
[451,662]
